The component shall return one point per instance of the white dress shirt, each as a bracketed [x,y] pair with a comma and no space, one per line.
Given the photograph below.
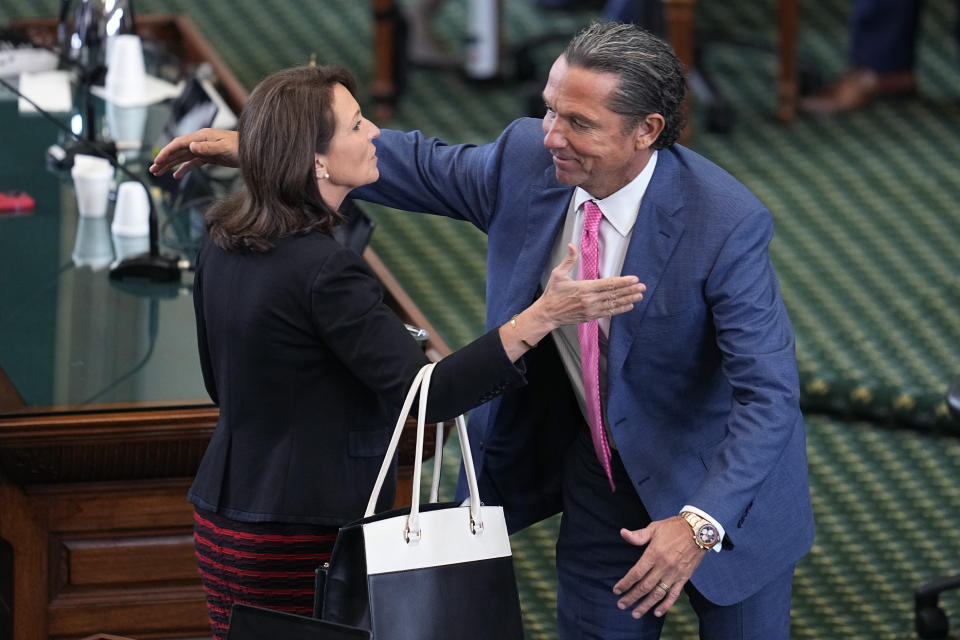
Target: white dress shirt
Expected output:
[620,211]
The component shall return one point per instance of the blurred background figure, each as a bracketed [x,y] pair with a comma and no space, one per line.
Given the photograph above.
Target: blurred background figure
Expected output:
[480,58]
[423,46]
[883,45]
[646,13]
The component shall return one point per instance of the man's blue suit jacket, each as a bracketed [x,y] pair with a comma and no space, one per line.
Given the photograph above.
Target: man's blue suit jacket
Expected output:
[703,384]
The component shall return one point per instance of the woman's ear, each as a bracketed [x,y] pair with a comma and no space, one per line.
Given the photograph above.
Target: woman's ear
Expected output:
[320,167]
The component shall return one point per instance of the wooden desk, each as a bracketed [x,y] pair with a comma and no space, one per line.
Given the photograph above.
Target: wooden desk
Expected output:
[99,444]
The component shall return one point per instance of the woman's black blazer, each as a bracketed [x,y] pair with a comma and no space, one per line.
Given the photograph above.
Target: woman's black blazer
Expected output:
[309,368]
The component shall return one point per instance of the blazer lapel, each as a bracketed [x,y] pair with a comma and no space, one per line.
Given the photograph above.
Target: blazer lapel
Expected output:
[545,204]
[660,224]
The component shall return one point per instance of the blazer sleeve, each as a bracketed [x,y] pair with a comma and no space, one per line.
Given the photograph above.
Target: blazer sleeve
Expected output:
[203,346]
[428,175]
[756,339]
[374,345]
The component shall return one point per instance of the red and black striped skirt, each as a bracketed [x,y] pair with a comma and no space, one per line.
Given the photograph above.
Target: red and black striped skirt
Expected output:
[266,564]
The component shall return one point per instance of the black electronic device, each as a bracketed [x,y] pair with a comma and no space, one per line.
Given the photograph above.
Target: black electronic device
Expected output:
[193,109]
[254,623]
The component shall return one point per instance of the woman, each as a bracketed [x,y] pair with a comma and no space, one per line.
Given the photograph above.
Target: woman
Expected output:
[306,363]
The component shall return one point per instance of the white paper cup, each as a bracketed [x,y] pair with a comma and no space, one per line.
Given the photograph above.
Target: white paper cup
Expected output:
[92,247]
[92,179]
[126,76]
[131,214]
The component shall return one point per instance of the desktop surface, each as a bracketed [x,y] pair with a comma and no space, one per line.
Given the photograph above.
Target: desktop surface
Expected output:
[71,338]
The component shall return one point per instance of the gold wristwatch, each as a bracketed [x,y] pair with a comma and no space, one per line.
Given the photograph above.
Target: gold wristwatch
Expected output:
[705,533]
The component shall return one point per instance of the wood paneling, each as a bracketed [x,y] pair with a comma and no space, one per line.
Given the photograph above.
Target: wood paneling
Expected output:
[171,612]
[103,556]
[126,560]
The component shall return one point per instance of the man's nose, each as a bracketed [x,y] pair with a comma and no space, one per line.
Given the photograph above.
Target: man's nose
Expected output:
[553,137]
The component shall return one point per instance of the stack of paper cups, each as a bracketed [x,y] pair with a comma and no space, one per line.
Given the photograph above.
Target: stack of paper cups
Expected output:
[126,79]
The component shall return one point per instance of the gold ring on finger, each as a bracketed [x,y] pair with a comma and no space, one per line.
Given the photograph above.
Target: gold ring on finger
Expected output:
[665,587]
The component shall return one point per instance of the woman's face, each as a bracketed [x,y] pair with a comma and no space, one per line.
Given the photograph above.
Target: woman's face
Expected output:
[351,160]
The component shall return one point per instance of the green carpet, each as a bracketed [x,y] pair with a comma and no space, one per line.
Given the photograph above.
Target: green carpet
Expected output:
[886,506]
[868,230]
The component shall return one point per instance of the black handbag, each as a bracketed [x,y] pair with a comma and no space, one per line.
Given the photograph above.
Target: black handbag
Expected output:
[432,573]
[255,623]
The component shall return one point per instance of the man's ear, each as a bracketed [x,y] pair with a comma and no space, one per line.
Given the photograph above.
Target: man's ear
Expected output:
[648,130]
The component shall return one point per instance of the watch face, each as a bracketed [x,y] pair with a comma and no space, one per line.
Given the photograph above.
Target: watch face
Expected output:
[708,534]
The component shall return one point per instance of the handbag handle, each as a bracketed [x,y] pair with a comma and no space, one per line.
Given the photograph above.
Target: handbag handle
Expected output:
[412,531]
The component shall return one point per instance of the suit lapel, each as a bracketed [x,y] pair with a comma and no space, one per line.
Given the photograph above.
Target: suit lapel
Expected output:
[659,227]
[545,204]
[660,224]
[542,209]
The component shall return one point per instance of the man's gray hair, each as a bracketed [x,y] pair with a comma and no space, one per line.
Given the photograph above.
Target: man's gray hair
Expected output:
[651,76]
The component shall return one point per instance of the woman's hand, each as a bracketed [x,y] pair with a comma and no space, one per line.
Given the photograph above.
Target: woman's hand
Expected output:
[214,146]
[569,301]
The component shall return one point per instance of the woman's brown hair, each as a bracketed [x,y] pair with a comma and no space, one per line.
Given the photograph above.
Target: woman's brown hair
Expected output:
[288,119]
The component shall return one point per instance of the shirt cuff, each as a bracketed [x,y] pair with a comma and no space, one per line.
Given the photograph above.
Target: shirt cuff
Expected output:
[704,514]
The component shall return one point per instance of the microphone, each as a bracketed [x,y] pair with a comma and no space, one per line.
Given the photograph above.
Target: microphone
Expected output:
[152,265]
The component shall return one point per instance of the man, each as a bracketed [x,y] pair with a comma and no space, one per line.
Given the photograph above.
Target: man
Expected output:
[883,47]
[670,436]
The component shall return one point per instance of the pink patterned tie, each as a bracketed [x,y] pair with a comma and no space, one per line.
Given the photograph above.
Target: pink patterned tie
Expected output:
[589,337]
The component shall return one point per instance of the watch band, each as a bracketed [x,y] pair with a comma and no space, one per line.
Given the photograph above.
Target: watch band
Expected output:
[705,533]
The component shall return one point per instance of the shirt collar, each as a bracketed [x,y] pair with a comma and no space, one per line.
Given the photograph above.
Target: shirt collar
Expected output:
[621,207]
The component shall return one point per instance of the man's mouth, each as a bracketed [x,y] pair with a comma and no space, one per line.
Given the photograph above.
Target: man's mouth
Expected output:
[564,163]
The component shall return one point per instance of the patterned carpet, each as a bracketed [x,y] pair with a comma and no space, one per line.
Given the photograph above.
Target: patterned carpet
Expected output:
[868,230]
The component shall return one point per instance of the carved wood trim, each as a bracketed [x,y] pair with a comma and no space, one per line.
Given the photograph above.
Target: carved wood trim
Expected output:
[92,447]
[114,426]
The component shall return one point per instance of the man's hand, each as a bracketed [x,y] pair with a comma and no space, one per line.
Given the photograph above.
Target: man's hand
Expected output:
[215,146]
[660,574]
